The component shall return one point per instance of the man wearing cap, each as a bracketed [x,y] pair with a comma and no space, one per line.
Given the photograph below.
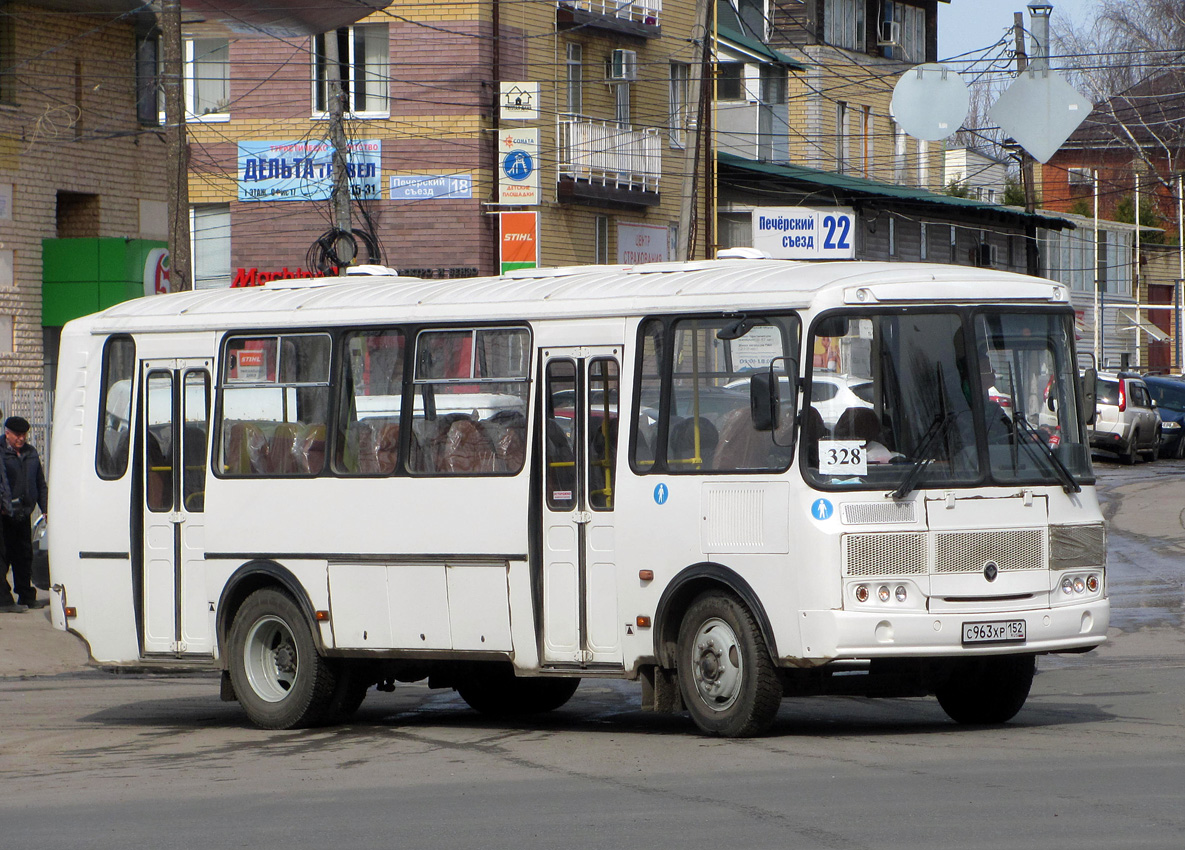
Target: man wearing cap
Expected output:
[26,481]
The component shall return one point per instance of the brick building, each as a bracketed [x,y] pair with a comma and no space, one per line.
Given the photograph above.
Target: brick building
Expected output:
[423,85]
[74,165]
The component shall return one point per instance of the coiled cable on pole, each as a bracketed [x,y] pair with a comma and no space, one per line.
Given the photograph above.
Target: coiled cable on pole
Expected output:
[336,249]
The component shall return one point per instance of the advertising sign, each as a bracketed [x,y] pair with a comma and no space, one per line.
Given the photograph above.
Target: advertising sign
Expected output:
[642,243]
[430,187]
[520,241]
[518,174]
[303,170]
[520,102]
[805,233]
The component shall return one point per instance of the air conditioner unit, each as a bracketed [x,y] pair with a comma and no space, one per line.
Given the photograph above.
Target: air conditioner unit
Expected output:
[623,65]
[890,34]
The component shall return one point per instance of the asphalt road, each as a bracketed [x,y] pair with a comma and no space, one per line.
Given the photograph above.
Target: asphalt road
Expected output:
[1095,760]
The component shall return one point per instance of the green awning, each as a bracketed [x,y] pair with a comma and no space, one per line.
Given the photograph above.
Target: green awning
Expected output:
[848,189]
[759,48]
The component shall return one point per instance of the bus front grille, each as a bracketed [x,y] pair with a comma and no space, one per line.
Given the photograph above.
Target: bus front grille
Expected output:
[910,553]
[885,553]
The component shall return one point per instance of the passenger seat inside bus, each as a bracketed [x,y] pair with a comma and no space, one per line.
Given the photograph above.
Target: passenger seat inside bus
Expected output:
[466,449]
[246,449]
[507,430]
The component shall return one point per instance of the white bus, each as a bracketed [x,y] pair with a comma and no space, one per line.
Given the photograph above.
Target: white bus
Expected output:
[505,485]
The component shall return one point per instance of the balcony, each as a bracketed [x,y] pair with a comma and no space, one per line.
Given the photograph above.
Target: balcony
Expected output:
[603,162]
[628,17]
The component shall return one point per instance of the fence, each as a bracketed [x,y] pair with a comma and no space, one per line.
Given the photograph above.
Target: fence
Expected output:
[37,407]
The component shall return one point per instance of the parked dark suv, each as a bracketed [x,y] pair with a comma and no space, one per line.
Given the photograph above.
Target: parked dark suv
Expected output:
[1169,395]
[1125,420]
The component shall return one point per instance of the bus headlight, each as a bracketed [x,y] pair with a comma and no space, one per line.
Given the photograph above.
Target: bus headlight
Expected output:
[901,593]
[883,593]
[861,593]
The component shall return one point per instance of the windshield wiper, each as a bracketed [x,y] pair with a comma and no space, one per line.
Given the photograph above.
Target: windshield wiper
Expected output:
[1069,483]
[924,454]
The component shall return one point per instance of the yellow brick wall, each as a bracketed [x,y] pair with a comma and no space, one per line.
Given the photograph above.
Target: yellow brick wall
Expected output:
[67,132]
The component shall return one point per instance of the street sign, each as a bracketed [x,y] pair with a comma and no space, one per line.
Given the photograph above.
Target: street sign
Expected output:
[930,102]
[1040,110]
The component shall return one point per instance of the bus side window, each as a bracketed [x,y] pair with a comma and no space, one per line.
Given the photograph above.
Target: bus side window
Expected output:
[371,396]
[275,404]
[115,408]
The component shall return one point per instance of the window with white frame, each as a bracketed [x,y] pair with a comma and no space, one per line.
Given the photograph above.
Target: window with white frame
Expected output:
[207,78]
[680,74]
[601,240]
[209,228]
[843,23]
[903,31]
[754,17]
[363,51]
[841,136]
[923,241]
[730,81]
[621,103]
[574,82]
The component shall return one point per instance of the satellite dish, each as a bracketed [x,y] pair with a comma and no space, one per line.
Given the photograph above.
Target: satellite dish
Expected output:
[930,101]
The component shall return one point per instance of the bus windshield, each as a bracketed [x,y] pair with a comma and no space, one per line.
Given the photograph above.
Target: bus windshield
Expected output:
[940,398]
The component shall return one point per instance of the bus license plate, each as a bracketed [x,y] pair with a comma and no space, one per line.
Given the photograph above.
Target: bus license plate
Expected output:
[999,631]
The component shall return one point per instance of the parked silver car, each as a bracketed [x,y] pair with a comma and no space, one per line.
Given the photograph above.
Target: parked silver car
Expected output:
[1125,419]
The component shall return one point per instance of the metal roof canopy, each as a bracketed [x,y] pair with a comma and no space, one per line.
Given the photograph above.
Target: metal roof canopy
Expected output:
[858,191]
[242,17]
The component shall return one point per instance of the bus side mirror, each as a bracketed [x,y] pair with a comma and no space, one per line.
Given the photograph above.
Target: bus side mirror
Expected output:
[1090,387]
[764,399]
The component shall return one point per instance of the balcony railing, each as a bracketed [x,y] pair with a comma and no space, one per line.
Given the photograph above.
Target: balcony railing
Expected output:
[609,154]
[640,14]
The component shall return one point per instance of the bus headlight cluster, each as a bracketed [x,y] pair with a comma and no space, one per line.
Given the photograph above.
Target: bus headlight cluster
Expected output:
[884,593]
[1076,585]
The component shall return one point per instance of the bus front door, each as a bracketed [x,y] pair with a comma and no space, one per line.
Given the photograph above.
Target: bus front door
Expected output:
[176,425]
[580,427]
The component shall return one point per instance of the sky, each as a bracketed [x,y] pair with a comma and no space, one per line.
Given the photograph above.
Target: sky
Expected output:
[967,25]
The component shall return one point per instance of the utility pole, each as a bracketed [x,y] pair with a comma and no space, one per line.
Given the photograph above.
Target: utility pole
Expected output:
[1032,258]
[177,178]
[344,246]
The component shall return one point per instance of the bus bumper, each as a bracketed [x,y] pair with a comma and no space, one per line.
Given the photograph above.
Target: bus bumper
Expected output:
[831,635]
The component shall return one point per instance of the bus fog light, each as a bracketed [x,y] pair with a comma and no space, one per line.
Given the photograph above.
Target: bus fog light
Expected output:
[1092,584]
[1067,586]
[1079,584]
[901,593]
[882,593]
[861,593]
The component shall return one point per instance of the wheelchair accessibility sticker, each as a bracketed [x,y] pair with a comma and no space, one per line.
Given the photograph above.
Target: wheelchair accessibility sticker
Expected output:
[660,494]
[822,509]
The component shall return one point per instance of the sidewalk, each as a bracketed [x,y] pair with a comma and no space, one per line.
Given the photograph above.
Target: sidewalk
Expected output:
[31,646]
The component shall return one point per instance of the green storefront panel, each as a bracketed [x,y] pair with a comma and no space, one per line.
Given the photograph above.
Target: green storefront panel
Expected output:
[82,276]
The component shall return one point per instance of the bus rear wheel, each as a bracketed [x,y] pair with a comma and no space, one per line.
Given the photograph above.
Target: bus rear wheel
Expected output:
[499,693]
[280,680]
[728,680]
[989,690]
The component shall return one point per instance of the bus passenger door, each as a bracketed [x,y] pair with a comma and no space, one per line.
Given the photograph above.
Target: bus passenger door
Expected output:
[176,427]
[580,428]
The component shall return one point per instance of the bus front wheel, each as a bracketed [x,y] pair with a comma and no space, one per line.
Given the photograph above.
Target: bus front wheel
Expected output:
[729,683]
[280,680]
[989,690]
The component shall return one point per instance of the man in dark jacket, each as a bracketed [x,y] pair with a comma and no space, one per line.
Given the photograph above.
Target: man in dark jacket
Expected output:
[26,483]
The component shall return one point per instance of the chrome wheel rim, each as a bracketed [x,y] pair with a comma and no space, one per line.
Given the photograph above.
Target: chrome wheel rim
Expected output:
[717,666]
[271,659]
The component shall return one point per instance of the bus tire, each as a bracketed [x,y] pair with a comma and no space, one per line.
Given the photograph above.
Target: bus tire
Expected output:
[280,680]
[499,693]
[989,690]
[729,682]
